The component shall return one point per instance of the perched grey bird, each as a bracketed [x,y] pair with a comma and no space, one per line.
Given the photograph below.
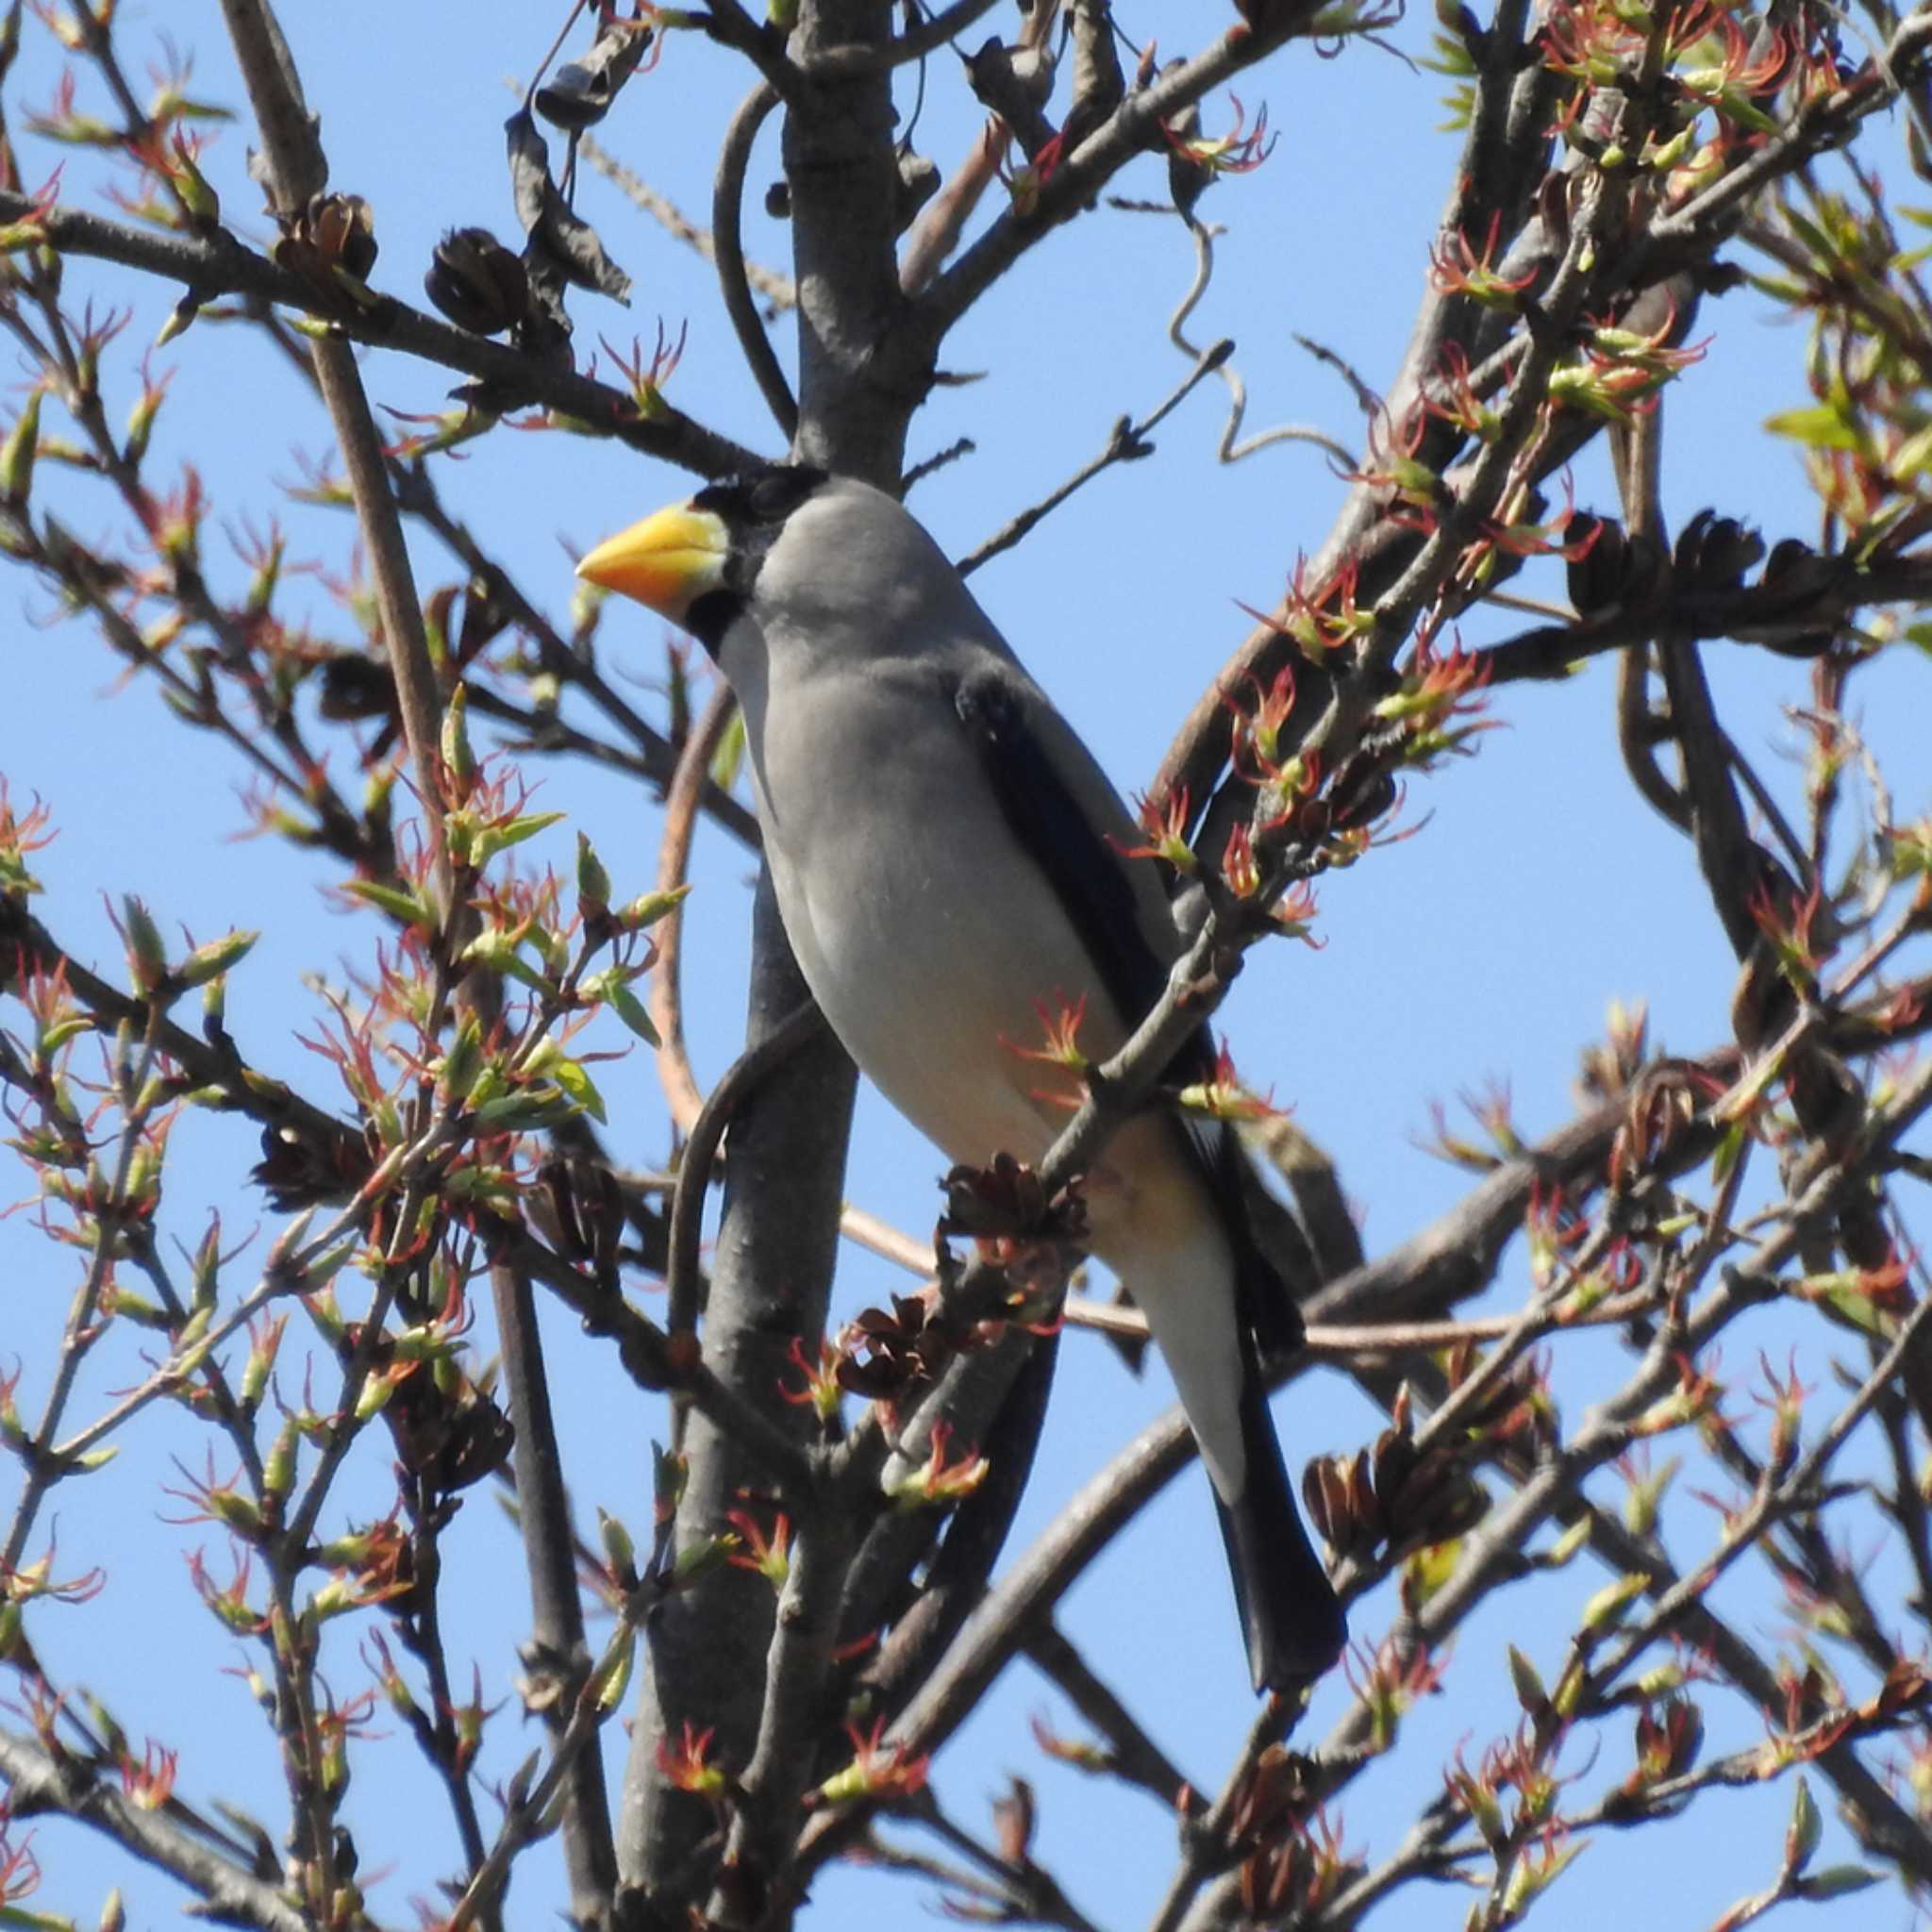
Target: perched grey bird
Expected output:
[946,855]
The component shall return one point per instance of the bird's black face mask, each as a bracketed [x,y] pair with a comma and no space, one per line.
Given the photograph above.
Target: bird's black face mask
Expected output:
[754,508]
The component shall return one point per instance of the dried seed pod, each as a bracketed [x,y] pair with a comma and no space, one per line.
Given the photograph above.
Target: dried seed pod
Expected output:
[580,93]
[1793,561]
[296,1173]
[1597,563]
[478,282]
[883,1354]
[1438,1502]
[455,1435]
[989,1201]
[1714,552]
[1794,579]
[1273,1799]
[355,687]
[343,226]
[1342,1504]
[1187,179]
[1392,1495]
[584,1217]
[1006,1202]
[545,331]
[556,232]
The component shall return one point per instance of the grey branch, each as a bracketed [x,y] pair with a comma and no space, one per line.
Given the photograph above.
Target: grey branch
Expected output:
[727,253]
[36,1783]
[222,266]
[1230,450]
[1127,442]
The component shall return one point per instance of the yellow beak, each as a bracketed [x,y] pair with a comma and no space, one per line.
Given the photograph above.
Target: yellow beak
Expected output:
[667,562]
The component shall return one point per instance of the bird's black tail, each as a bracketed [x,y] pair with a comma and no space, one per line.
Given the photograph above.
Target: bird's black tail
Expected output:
[1290,1613]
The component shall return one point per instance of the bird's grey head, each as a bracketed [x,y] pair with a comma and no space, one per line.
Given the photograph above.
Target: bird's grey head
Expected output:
[794,549]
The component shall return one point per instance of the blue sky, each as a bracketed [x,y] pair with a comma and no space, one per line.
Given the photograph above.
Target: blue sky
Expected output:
[1486,948]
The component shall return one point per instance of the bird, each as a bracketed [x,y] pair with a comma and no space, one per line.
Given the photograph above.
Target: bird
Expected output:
[951,863]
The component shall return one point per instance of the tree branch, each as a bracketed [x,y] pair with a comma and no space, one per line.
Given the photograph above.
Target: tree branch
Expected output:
[1133,127]
[38,1784]
[220,265]
[1127,442]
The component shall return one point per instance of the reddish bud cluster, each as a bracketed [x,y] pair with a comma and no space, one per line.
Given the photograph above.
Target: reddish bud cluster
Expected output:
[939,1481]
[646,380]
[686,1765]
[768,1552]
[1239,151]
[881,1772]
[1459,267]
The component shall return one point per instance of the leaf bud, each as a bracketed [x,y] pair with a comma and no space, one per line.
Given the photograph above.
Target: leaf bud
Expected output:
[209,961]
[147,956]
[594,882]
[18,451]
[457,754]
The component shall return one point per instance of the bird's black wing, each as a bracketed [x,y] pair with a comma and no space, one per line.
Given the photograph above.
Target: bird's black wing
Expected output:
[1089,878]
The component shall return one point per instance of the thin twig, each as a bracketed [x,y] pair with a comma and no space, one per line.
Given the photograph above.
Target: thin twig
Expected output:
[919,471]
[939,228]
[727,247]
[1134,1755]
[648,1358]
[44,1469]
[220,265]
[1127,442]
[1229,450]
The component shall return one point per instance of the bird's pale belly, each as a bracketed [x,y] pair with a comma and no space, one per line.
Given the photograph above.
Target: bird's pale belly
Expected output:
[875,957]
[935,998]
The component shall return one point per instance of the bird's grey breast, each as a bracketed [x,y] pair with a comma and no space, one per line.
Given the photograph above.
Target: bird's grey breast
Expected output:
[869,790]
